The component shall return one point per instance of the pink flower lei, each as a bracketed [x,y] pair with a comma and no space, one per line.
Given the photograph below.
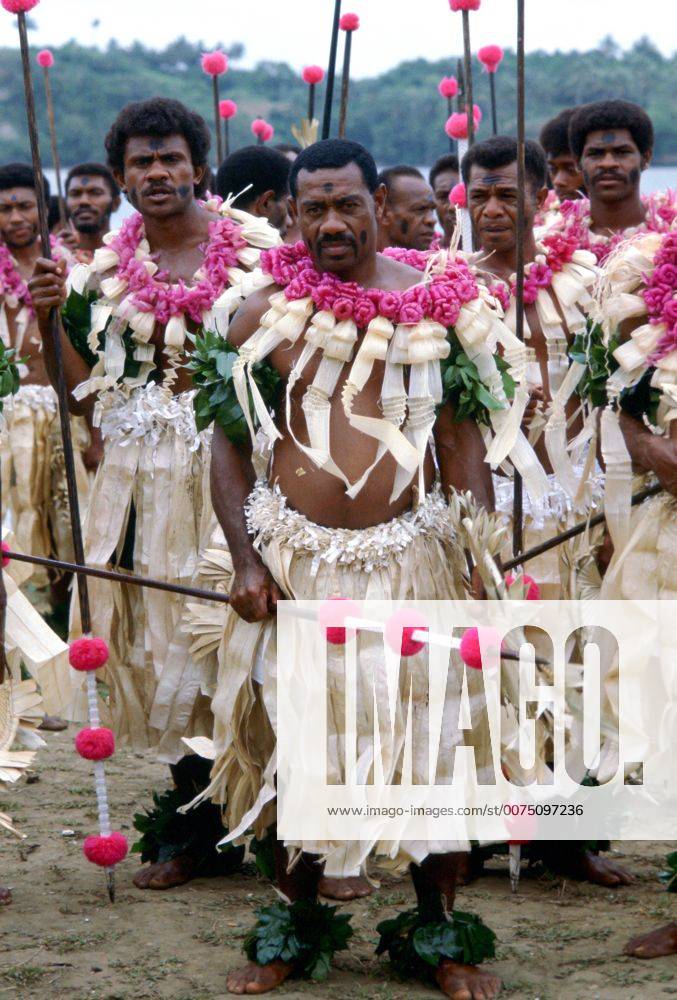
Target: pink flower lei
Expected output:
[440,300]
[661,212]
[660,295]
[556,250]
[154,293]
[12,285]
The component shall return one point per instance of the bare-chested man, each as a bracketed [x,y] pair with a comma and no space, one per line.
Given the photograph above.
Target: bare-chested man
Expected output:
[148,503]
[408,218]
[259,176]
[490,174]
[613,142]
[338,204]
[563,167]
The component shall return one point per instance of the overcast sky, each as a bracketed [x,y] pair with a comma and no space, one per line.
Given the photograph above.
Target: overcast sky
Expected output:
[297,31]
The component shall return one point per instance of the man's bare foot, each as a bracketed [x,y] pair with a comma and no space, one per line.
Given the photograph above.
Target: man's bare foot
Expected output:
[166,874]
[466,982]
[52,724]
[589,867]
[5,896]
[344,889]
[254,979]
[655,944]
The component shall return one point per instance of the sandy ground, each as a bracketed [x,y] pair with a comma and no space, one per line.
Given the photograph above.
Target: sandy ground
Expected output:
[557,939]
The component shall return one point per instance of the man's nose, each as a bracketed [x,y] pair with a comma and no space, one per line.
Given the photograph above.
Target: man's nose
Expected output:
[493,207]
[609,159]
[332,223]
[157,169]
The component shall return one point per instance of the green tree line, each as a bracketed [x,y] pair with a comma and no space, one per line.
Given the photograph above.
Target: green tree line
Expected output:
[399,115]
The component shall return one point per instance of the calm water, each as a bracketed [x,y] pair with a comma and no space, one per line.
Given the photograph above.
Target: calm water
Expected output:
[653,179]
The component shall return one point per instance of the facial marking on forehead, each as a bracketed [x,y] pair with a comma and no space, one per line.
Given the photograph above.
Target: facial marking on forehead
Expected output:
[156,143]
[492,179]
[608,137]
[328,187]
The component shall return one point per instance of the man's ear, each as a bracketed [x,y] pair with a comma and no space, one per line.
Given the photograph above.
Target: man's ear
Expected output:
[293,210]
[381,204]
[541,195]
[115,204]
[647,158]
[262,203]
[119,180]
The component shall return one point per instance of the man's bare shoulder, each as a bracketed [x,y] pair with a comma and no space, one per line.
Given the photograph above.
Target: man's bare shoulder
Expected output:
[247,319]
[394,276]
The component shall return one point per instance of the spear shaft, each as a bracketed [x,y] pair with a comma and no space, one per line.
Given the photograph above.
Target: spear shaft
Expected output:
[55,150]
[331,72]
[518,489]
[467,60]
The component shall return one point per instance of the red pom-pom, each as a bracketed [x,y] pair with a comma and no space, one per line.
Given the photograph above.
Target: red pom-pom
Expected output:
[457,195]
[313,74]
[227,108]
[533,591]
[471,651]
[17,6]
[349,22]
[448,86]
[457,124]
[332,616]
[95,744]
[45,59]
[491,57]
[5,559]
[214,63]
[88,653]
[465,4]
[399,631]
[106,851]
[262,129]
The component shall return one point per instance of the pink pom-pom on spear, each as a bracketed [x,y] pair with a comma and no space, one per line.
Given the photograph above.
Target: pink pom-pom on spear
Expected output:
[349,23]
[312,75]
[215,64]
[458,196]
[45,58]
[448,87]
[465,4]
[491,57]
[263,130]
[227,110]
[457,124]
[19,6]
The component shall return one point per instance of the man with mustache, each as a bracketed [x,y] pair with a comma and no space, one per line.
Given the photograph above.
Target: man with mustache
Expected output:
[408,219]
[334,483]
[176,267]
[92,196]
[613,143]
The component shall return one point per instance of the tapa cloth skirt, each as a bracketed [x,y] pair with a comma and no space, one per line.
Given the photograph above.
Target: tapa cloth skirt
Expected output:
[148,506]
[414,556]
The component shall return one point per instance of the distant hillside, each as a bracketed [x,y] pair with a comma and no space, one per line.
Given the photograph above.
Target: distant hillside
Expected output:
[399,115]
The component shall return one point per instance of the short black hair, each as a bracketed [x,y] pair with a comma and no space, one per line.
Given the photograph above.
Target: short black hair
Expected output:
[447,162]
[609,115]
[287,147]
[501,150]
[14,175]
[391,174]
[158,116]
[554,135]
[263,168]
[93,170]
[333,154]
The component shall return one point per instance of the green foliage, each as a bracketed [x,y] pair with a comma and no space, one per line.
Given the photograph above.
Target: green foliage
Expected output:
[305,934]
[264,855]
[9,374]
[670,876]
[167,834]
[76,319]
[463,387]
[398,115]
[590,350]
[415,947]
[211,365]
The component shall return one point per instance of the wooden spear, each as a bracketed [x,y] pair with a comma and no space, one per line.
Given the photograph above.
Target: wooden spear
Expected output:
[214,64]
[46,60]
[331,71]
[349,23]
[467,62]
[20,7]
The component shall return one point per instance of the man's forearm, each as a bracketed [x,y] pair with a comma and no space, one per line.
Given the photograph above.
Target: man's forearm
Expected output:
[461,456]
[232,479]
[652,452]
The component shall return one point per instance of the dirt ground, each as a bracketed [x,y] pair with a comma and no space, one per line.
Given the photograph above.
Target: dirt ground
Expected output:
[557,939]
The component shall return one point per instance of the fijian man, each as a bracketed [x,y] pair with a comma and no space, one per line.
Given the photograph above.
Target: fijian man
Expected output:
[444,175]
[149,502]
[490,174]
[564,170]
[613,143]
[257,177]
[409,213]
[289,535]
[92,197]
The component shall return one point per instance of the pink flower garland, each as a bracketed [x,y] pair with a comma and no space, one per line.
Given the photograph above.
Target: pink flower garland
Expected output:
[661,211]
[660,298]
[441,300]
[154,293]
[12,285]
